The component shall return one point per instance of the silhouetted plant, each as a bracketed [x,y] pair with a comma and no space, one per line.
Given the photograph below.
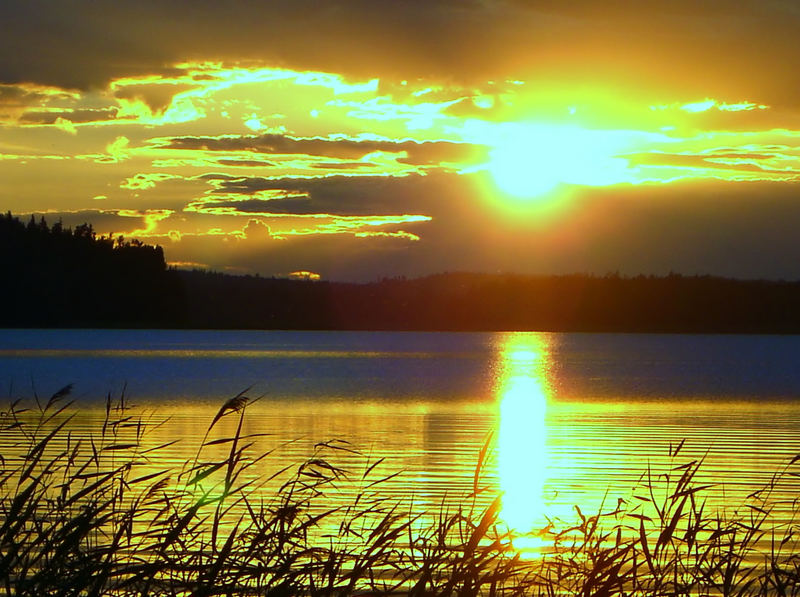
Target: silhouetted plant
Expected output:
[96,515]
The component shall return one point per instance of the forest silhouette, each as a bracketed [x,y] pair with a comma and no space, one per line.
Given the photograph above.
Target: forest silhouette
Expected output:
[59,277]
[55,276]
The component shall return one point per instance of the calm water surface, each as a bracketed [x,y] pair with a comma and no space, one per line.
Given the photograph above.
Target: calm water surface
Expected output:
[573,417]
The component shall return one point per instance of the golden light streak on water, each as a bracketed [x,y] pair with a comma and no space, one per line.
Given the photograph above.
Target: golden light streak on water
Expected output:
[522,458]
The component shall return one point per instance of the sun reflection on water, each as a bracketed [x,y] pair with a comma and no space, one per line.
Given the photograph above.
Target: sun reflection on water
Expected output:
[522,394]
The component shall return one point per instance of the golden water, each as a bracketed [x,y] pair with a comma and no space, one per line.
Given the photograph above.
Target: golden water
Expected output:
[550,448]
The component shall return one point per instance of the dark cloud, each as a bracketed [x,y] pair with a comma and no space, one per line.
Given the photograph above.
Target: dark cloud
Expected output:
[418,153]
[732,154]
[279,205]
[741,162]
[341,165]
[212,176]
[81,43]
[256,229]
[156,97]
[14,95]
[15,99]
[246,163]
[733,49]
[75,116]
[729,117]
[343,195]
[18,96]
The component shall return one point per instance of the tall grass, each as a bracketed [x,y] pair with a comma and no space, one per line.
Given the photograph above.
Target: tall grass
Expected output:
[94,516]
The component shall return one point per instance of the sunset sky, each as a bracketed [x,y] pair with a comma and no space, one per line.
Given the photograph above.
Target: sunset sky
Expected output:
[362,139]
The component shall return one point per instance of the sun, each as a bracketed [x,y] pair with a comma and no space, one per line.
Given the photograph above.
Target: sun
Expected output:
[525,171]
[530,161]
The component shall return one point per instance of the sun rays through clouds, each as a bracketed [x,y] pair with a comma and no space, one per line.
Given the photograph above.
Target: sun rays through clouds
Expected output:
[402,165]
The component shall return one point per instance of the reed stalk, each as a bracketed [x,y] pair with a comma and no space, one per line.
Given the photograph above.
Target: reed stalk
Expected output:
[94,515]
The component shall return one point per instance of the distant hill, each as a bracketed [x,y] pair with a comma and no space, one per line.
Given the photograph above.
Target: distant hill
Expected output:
[58,277]
[463,301]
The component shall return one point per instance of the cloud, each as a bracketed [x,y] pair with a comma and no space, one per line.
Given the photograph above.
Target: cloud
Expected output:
[118,148]
[256,229]
[77,44]
[157,97]
[417,106]
[78,116]
[304,275]
[332,256]
[15,100]
[70,46]
[734,229]
[142,181]
[27,94]
[24,157]
[418,153]
[433,194]
[762,163]
[246,163]
[341,165]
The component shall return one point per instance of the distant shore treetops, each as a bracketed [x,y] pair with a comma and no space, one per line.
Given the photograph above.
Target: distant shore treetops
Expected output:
[11,224]
[61,277]
[57,275]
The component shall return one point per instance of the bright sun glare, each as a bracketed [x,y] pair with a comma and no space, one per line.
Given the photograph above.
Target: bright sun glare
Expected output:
[530,160]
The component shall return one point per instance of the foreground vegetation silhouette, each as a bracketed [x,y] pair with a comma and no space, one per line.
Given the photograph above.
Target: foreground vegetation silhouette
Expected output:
[98,516]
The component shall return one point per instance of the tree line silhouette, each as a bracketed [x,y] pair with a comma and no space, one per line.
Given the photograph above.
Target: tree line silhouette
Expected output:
[56,277]
[476,302]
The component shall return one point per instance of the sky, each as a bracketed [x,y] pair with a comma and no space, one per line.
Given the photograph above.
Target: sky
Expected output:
[356,140]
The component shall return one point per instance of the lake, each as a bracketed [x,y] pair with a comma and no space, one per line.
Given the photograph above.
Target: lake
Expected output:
[572,418]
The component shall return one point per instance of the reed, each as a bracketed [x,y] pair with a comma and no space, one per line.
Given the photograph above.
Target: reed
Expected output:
[92,516]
